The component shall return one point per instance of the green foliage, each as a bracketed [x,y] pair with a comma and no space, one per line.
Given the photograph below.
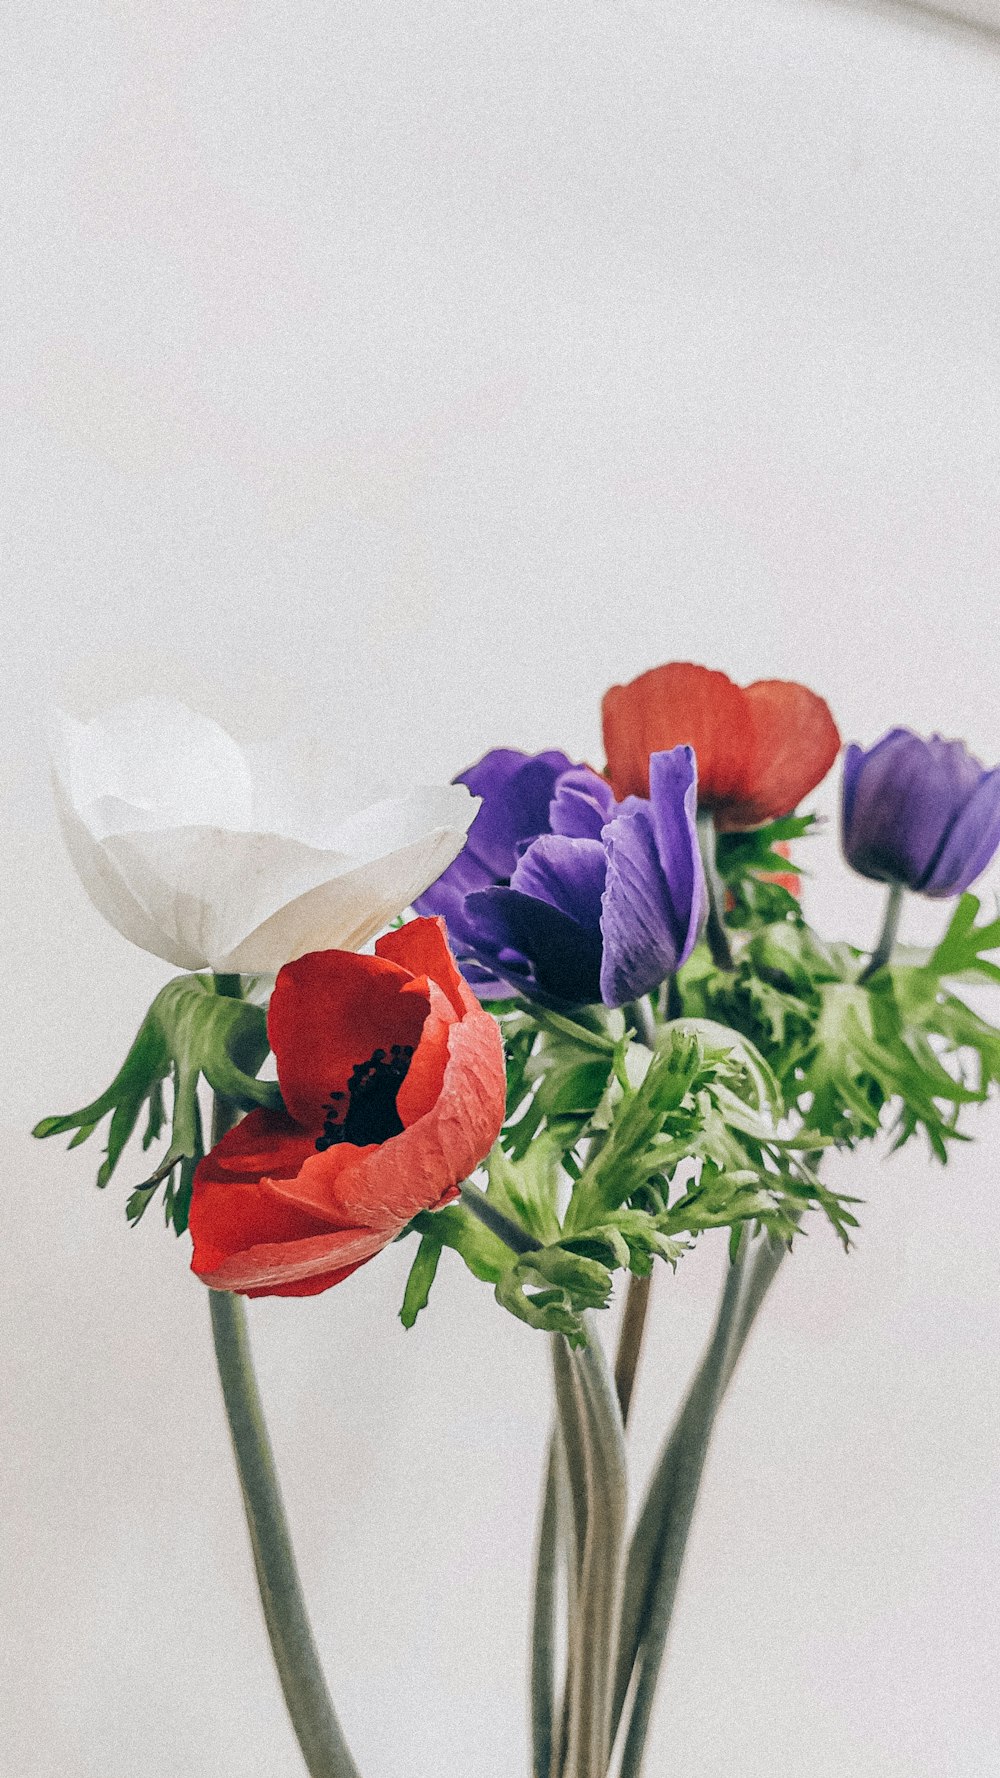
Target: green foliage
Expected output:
[900,1051]
[613,1154]
[679,1141]
[190,1032]
[745,860]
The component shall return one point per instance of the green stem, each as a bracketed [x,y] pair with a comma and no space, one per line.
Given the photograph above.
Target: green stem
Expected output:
[313,1718]
[716,935]
[543,1626]
[307,1699]
[230,986]
[672,999]
[696,1419]
[887,937]
[639,1014]
[594,1446]
[656,1553]
[506,1230]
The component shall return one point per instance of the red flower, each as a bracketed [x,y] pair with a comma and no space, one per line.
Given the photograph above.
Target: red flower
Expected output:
[393,1078]
[759,748]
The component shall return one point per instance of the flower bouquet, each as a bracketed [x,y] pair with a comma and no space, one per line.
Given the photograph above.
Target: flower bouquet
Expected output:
[556,1023]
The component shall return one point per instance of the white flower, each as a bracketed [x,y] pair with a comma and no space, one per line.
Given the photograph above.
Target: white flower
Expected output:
[212,855]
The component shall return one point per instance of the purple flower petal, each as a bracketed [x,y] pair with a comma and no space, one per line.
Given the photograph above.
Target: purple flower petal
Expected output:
[971,841]
[539,949]
[568,874]
[655,896]
[902,800]
[447,898]
[904,796]
[673,795]
[639,941]
[853,760]
[516,789]
[582,805]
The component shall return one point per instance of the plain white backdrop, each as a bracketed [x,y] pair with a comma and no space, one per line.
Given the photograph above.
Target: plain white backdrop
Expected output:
[414,371]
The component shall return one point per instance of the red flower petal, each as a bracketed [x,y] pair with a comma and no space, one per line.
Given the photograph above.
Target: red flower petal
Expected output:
[671,706]
[330,1011]
[759,750]
[794,742]
[273,1215]
[421,1088]
[234,1202]
[421,946]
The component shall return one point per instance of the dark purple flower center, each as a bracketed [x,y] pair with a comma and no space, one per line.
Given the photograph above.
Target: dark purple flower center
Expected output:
[366,1112]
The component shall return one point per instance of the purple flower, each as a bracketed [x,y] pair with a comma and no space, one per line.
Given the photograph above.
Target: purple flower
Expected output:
[923,813]
[565,895]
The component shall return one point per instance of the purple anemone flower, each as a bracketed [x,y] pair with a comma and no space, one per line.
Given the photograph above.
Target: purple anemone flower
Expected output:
[922,813]
[565,895]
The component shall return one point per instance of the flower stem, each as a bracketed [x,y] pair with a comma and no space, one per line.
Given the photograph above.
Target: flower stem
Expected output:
[594,1445]
[307,1699]
[755,1272]
[506,1230]
[543,1626]
[313,1718]
[716,936]
[657,1553]
[639,1014]
[887,937]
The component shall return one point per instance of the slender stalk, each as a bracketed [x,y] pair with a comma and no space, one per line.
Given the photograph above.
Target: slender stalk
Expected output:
[630,1339]
[504,1227]
[887,937]
[716,935]
[543,1626]
[672,999]
[568,1445]
[231,986]
[670,1505]
[764,1266]
[313,1718]
[310,1709]
[639,1014]
[594,1446]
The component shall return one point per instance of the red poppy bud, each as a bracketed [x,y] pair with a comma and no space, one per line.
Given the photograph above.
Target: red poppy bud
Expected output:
[759,748]
[394,1087]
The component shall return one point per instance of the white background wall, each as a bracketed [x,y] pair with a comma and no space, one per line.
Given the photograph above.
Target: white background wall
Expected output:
[418,369]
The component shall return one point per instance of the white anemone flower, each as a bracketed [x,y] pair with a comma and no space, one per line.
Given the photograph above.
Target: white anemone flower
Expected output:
[216,856]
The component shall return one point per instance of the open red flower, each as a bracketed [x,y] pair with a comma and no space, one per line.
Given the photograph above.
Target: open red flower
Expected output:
[394,1086]
[760,748]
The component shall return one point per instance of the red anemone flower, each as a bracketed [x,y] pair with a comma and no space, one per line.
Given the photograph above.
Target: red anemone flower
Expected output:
[760,748]
[393,1079]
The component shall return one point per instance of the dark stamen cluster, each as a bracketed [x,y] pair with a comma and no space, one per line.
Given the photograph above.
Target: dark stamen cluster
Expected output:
[367,1111]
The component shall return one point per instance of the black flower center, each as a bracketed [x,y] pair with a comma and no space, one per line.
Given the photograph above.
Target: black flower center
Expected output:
[367,1111]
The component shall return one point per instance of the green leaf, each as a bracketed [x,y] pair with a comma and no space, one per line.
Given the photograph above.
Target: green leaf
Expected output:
[960,951]
[483,1252]
[189,1033]
[422,1274]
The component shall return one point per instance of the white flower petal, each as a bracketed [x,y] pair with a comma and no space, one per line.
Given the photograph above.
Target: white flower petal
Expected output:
[344,913]
[108,890]
[203,888]
[210,891]
[403,820]
[152,762]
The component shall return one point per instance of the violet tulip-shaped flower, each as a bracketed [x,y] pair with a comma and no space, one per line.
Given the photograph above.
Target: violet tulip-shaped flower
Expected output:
[564,894]
[919,812]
